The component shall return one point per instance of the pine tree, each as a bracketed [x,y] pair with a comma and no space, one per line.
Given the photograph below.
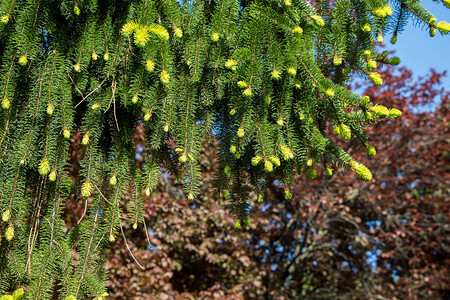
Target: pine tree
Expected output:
[266,78]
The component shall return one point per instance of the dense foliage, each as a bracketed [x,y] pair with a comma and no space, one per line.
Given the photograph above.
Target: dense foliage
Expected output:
[268,79]
[337,238]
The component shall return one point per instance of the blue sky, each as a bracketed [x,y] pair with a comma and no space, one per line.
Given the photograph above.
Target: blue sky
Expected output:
[420,52]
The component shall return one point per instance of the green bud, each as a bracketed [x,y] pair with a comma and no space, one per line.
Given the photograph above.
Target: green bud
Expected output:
[6,215]
[183,158]
[256,160]
[297,30]
[268,166]
[330,93]
[113,180]
[215,37]
[275,75]
[337,61]
[393,39]
[292,71]
[443,27]
[371,64]
[44,167]
[362,171]
[317,20]
[76,10]
[346,132]
[230,64]
[226,194]
[149,65]
[237,224]
[227,170]
[376,78]
[18,294]
[66,133]
[336,130]
[432,31]
[275,160]
[178,32]
[329,171]
[286,152]
[242,84]
[86,189]
[85,139]
[380,38]
[4,19]
[371,150]
[287,194]
[247,93]
[240,132]
[394,113]
[23,60]
[383,11]
[9,233]
[260,198]
[394,61]
[280,121]
[6,103]
[311,173]
[52,176]
[380,110]
[164,77]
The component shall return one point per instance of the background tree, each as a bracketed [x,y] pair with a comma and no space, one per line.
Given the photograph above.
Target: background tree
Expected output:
[268,79]
[337,238]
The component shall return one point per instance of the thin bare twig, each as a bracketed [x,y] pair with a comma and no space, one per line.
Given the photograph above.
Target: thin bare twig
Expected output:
[104,198]
[113,100]
[76,86]
[90,93]
[84,212]
[129,250]
[146,235]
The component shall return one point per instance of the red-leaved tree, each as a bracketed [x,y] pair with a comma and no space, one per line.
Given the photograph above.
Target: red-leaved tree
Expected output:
[336,238]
